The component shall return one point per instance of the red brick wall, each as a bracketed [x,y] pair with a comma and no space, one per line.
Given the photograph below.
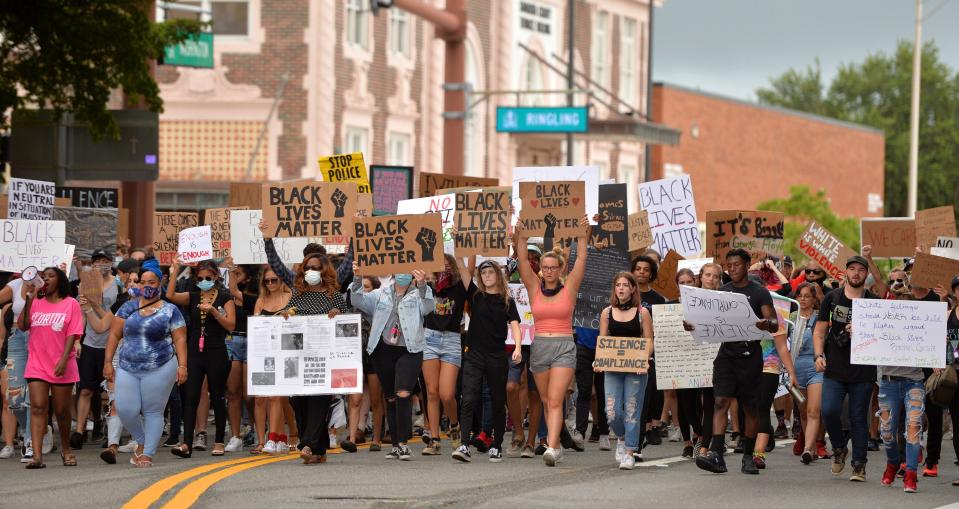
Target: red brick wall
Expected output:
[746,154]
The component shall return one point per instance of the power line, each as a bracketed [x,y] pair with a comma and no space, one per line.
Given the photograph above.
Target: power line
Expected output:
[934,10]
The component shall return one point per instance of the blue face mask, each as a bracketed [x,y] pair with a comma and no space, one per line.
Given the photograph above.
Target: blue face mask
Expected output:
[117,279]
[403,279]
[133,292]
[150,292]
[204,285]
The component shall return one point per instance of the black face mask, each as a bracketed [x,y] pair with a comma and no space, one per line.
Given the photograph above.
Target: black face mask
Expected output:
[548,292]
[624,306]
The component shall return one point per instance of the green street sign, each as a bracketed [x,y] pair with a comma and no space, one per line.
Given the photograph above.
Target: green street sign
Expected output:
[196,51]
[516,119]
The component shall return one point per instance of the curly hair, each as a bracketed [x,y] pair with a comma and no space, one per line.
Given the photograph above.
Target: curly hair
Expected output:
[328,282]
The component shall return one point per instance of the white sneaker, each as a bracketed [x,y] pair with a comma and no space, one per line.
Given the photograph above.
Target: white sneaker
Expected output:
[579,440]
[604,443]
[333,443]
[6,452]
[234,445]
[552,456]
[627,463]
[199,441]
[129,446]
[620,449]
[283,448]
[27,455]
[270,447]
[674,434]
[47,441]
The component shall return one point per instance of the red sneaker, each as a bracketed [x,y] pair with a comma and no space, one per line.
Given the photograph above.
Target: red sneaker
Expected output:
[931,471]
[799,445]
[821,450]
[889,476]
[909,482]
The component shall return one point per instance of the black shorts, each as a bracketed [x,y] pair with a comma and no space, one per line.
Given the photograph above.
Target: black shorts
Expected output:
[90,365]
[738,376]
[368,368]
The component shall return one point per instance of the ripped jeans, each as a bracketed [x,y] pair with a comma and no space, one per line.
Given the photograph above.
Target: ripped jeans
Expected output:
[625,393]
[894,397]
[18,397]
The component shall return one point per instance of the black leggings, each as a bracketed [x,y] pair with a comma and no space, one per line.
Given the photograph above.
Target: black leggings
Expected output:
[312,414]
[586,380]
[653,403]
[768,385]
[398,370]
[688,401]
[214,365]
[494,367]
[934,438]
[709,407]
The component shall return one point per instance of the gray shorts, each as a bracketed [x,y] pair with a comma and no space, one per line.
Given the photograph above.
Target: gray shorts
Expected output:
[552,352]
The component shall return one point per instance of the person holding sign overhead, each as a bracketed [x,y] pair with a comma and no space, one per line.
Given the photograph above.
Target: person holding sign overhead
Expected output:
[553,353]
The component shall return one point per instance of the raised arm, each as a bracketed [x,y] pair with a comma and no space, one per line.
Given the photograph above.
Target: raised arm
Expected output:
[880,286]
[345,271]
[273,258]
[575,277]
[466,270]
[178,298]
[96,315]
[365,302]
[527,276]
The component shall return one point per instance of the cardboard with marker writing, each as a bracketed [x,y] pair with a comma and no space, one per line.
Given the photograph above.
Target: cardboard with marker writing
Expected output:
[385,245]
[760,232]
[91,285]
[611,232]
[933,223]
[622,355]
[665,283]
[345,168]
[219,222]
[890,237]
[431,182]
[309,209]
[482,222]
[166,233]
[246,194]
[930,270]
[640,235]
[553,208]
[821,246]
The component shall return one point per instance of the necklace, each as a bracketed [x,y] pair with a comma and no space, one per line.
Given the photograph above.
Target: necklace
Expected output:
[208,298]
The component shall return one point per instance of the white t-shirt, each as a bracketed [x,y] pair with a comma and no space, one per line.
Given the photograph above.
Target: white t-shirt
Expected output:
[16,286]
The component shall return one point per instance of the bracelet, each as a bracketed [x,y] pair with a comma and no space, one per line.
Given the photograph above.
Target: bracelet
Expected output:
[181,366]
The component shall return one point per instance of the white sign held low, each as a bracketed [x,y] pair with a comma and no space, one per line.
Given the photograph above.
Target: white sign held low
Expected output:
[681,362]
[720,317]
[899,333]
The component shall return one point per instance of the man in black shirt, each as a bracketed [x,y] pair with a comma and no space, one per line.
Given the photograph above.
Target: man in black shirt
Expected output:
[738,368]
[645,269]
[831,344]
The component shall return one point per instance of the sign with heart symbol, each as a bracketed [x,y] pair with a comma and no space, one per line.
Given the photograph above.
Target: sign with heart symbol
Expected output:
[553,208]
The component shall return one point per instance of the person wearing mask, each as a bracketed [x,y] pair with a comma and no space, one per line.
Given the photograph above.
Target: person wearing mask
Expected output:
[738,368]
[152,357]
[244,286]
[553,353]
[645,270]
[933,411]
[212,316]
[810,443]
[831,343]
[54,321]
[710,278]
[624,392]
[373,388]
[688,400]
[396,345]
[274,298]
[126,278]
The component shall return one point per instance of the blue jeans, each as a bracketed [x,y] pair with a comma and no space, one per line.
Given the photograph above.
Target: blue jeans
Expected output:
[443,345]
[141,398]
[18,398]
[860,398]
[625,394]
[894,397]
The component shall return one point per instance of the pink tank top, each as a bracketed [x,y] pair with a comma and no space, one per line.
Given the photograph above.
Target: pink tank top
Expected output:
[553,315]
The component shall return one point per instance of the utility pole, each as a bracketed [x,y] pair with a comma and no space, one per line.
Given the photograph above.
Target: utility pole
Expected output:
[647,154]
[914,115]
[570,71]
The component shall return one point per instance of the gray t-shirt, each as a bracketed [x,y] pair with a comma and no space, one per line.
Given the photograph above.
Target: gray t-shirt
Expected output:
[902,372]
[393,333]
[95,339]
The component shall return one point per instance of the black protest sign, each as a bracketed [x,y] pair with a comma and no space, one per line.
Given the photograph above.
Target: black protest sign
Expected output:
[385,245]
[91,197]
[602,265]
[89,229]
[611,232]
[481,221]
[308,209]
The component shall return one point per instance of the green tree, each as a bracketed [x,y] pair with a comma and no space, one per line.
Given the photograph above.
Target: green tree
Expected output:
[68,55]
[800,207]
[877,92]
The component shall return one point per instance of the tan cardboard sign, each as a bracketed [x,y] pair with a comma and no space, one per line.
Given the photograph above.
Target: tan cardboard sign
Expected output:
[665,283]
[933,223]
[890,237]
[640,234]
[929,271]
[166,233]
[219,221]
[431,182]
[308,209]
[758,231]
[623,355]
[246,194]
[482,222]
[91,286]
[824,248]
[553,208]
[387,245]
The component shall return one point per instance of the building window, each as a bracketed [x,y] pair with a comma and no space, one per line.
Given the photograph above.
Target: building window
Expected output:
[356,23]
[399,149]
[600,48]
[356,139]
[627,175]
[533,76]
[400,32]
[229,17]
[627,62]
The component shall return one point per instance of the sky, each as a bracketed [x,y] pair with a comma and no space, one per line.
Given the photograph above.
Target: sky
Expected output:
[733,47]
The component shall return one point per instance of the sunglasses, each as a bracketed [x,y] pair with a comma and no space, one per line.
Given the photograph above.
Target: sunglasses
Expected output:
[271,280]
[900,281]
[313,267]
[207,278]
[813,271]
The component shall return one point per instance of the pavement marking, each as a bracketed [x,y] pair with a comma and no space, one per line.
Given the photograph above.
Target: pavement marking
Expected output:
[189,494]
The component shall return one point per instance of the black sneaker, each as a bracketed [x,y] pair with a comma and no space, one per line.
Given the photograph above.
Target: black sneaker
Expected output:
[749,465]
[566,440]
[771,445]
[653,437]
[872,444]
[540,449]
[688,451]
[394,453]
[712,462]
[781,431]
[405,454]
[739,446]
[172,441]
[495,455]
[462,453]
[348,446]
[76,440]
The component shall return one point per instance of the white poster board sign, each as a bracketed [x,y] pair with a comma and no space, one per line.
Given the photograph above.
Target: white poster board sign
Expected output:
[443,204]
[25,243]
[304,355]
[719,317]
[588,174]
[695,264]
[672,215]
[947,247]
[196,244]
[30,199]
[526,330]
[681,362]
[898,333]
[248,246]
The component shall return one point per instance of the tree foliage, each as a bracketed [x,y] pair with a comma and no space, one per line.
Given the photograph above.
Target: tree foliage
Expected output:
[800,207]
[68,55]
[877,92]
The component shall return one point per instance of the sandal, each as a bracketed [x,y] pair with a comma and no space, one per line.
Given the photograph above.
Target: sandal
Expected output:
[306,454]
[144,462]
[179,452]
[218,449]
[314,459]
[69,459]
[257,449]
[35,465]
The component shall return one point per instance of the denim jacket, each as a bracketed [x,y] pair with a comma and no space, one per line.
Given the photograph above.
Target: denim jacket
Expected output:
[416,304]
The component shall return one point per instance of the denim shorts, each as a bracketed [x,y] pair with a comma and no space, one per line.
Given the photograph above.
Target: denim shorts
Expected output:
[806,373]
[552,352]
[236,348]
[445,346]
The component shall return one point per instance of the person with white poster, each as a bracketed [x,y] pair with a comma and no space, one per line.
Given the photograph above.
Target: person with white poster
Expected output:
[196,244]
[588,174]
[672,215]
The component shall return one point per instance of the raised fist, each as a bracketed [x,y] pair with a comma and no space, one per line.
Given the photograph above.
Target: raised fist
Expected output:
[339,199]
[426,238]
[550,221]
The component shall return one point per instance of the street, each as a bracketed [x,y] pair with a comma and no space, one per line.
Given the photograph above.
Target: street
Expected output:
[364,479]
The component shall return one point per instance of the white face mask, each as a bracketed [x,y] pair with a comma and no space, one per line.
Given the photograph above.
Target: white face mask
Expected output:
[313,277]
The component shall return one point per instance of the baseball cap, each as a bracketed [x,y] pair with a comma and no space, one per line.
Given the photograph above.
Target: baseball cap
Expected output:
[534,248]
[857,259]
[99,253]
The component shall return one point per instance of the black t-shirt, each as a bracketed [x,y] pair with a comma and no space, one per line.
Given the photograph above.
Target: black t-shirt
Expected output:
[930,297]
[651,298]
[448,313]
[952,333]
[214,335]
[758,296]
[243,311]
[836,310]
[490,317]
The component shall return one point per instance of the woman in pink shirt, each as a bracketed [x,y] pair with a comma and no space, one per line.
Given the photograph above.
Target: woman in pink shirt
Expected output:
[54,322]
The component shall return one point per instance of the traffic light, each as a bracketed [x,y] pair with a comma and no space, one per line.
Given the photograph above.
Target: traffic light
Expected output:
[376,5]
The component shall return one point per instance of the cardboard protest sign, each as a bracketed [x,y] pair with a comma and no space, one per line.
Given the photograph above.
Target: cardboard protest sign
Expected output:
[443,205]
[622,355]
[91,197]
[824,248]
[30,199]
[91,285]
[25,243]
[389,186]
[758,231]
[665,282]
[219,222]
[166,233]
[930,270]
[308,209]
[681,362]
[482,221]
[398,244]
[527,329]
[553,209]
[89,229]
[246,194]
[720,317]
[932,223]
[898,333]
[195,244]
[890,237]
[672,215]
[613,216]
[346,168]
[364,205]
[4,204]
[587,174]
[640,235]
[248,246]
[602,265]
[431,182]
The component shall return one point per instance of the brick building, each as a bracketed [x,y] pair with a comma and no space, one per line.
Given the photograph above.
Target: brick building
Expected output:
[739,153]
[351,81]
